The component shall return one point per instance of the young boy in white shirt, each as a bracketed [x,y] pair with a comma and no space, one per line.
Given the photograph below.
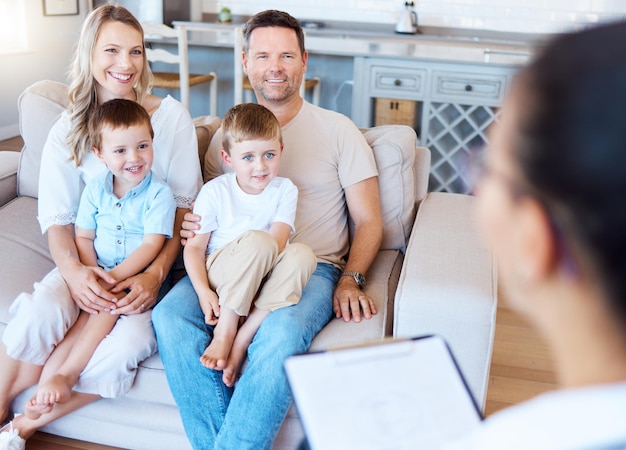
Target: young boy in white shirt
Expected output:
[241,253]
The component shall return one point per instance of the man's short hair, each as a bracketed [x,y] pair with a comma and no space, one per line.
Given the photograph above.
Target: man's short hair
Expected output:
[272,18]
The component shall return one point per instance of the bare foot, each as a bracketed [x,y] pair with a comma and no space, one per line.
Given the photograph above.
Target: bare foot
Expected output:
[34,410]
[235,360]
[216,354]
[57,389]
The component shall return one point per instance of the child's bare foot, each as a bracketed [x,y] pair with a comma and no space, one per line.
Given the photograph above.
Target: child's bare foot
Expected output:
[216,354]
[57,389]
[34,410]
[235,361]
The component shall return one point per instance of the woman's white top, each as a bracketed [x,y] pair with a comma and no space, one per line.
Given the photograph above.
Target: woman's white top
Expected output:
[573,419]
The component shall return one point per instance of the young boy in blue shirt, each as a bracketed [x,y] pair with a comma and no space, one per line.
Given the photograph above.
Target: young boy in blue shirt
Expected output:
[123,219]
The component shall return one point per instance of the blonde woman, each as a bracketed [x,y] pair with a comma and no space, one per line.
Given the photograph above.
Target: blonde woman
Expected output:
[109,63]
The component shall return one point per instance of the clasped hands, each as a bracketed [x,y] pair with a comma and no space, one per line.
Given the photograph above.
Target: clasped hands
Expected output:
[95,291]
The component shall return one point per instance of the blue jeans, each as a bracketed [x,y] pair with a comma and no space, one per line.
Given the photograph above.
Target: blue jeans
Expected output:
[248,417]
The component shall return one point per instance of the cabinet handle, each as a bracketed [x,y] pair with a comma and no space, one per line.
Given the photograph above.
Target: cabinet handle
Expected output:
[398,82]
[468,88]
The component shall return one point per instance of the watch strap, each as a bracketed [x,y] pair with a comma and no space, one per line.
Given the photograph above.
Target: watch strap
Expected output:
[358,277]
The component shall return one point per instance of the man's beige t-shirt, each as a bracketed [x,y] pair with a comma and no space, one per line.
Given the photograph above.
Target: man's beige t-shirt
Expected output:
[324,152]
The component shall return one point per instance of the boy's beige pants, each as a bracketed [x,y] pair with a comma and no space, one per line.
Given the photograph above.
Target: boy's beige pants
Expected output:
[250,269]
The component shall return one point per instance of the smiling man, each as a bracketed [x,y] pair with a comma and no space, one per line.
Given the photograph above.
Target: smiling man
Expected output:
[328,159]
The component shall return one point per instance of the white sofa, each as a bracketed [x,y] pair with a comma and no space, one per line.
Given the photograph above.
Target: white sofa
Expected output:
[432,275]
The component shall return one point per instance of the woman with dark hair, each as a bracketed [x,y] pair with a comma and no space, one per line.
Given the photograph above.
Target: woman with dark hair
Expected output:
[552,206]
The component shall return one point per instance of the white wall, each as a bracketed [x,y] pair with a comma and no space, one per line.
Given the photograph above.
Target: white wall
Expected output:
[532,16]
[50,41]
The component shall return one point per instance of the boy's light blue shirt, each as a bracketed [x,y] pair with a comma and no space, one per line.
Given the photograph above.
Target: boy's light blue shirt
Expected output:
[120,224]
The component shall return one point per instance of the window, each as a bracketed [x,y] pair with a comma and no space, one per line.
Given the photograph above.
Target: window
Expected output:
[12,26]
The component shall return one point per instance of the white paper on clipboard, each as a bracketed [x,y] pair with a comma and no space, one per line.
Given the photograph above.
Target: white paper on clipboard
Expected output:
[402,394]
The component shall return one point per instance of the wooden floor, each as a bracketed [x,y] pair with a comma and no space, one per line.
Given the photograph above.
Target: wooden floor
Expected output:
[521,368]
[521,364]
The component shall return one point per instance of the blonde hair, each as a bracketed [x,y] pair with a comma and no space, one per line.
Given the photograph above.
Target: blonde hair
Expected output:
[249,121]
[82,91]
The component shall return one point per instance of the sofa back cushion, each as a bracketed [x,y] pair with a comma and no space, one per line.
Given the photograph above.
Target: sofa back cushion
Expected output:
[402,179]
[40,105]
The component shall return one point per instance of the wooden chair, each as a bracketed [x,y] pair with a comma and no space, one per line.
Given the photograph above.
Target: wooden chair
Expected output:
[182,79]
[242,83]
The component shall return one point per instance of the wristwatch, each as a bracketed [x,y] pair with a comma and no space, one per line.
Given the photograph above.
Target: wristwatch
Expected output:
[358,277]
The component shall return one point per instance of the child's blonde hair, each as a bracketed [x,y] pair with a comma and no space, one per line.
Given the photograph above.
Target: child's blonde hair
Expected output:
[117,113]
[249,121]
[82,91]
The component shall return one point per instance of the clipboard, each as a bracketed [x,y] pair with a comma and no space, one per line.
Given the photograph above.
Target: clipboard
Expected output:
[398,394]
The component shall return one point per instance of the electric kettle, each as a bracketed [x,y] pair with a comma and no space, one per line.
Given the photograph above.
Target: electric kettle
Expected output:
[408,19]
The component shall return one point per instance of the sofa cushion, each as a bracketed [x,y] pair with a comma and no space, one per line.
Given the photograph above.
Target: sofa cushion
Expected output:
[400,184]
[40,105]
[24,255]
[381,285]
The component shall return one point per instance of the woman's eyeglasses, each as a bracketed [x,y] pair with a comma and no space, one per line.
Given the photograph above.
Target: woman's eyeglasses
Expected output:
[479,170]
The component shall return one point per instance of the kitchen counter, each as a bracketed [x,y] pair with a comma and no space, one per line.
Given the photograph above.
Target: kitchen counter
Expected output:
[378,40]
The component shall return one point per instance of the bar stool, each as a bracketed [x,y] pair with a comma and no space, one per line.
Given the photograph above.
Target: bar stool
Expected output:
[242,83]
[182,80]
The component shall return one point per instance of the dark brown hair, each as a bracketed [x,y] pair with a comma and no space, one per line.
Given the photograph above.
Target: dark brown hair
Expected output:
[116,113]
[570,146]
[272,18]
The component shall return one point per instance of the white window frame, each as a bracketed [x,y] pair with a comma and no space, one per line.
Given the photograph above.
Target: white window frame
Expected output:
[13,37]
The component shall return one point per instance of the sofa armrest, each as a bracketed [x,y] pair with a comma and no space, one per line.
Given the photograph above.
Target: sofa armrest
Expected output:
[448,286]
[9,162]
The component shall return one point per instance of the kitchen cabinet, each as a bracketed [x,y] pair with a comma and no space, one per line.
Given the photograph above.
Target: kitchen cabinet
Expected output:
[454,105]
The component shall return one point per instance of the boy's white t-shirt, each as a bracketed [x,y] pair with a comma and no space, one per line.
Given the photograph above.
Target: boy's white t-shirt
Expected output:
[324,153]
[227,211]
